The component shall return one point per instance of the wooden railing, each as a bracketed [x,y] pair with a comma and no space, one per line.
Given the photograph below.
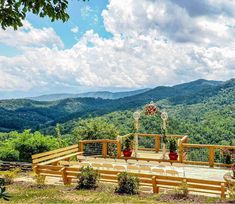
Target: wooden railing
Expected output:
[54,156]
[157,140]
[104,148]
[154,181]
[185,149]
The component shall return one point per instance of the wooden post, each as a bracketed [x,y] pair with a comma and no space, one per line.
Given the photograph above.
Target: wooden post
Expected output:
[181,151]
[35,169]
[222,195]
[119,149]
[81,146]
[66,181]
[154,184]
[156,188]
[104,149]
[211,156]
[157,143]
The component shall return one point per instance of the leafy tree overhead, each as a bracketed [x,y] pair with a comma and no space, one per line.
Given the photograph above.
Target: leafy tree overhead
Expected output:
[13,12]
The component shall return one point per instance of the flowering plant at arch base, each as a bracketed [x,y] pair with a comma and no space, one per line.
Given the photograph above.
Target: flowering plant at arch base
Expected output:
[150,109]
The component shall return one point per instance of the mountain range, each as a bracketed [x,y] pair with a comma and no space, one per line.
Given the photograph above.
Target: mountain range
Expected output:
[19,114]
[98,94]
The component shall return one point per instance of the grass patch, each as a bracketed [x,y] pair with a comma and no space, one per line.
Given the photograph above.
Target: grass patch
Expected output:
[22,192]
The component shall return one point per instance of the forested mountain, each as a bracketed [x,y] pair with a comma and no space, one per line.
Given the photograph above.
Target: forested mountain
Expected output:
[20,114]
[98,94]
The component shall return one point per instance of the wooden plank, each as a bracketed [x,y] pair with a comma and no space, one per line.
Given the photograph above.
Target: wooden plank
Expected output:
[204,187]
[147,149]
[150,159]
[108,177]
[74,174]
[196,162]
[54,156]
[53,151]
[49,172]
[93,141]
[207,146]
[60,158]
[206,182]
[73,168]
[39,166]
[168,183]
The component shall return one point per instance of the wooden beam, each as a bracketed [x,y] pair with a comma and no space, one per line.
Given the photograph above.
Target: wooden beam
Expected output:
[211,156]
[119,149]
[104,149]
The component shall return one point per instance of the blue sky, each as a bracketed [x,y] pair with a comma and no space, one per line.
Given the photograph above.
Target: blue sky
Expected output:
[119,45]
[84,15]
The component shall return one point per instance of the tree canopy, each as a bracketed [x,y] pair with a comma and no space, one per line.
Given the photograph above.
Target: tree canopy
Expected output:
[13,12]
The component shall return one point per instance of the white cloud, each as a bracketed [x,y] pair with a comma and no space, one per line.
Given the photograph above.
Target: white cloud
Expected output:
[154,43]
[28,36]
[74,29]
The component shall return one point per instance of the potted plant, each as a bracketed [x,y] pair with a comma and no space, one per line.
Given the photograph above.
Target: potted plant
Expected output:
[173,147]
[127,147]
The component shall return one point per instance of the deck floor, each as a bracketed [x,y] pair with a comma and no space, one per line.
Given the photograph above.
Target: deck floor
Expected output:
[185,170]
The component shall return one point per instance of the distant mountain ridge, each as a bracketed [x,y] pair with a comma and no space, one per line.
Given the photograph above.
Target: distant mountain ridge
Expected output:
[19,114]
[98,94]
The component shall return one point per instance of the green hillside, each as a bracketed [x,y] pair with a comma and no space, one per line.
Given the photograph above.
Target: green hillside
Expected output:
[20,114]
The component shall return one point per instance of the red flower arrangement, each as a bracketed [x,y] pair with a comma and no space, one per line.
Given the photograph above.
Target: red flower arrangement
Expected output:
[150,109]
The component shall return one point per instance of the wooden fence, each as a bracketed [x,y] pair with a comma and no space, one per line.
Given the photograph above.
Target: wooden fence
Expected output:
[210,149]
[184,149]
[153,181]
[54,156]
[157,140]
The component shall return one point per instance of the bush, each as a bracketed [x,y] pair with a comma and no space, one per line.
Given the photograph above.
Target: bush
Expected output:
[7,154]
[88,178]
[39,179]
[127,183]
[3,194]
[182,191]
[2,182]
[9,176]
[231,192]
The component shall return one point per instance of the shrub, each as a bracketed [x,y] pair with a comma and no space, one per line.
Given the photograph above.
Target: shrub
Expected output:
[88,178]
[3,194]
[10,175]
[2,182]
[7,154]
[231,192]
[182,191]
[127,183]
[172,144]
[39,179]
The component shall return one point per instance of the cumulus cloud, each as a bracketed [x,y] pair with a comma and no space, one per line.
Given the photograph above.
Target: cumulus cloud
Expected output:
[154,43]
[28,36]
[74,29]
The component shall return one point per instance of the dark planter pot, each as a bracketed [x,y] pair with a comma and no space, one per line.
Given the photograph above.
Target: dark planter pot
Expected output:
[127,152]
[173,155]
